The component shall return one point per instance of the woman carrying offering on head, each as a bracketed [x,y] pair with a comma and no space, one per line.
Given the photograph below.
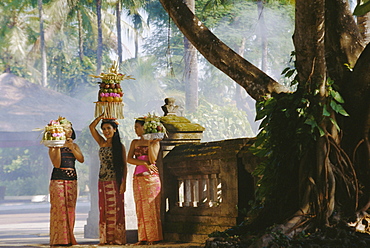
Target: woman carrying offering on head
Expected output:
[63,188]
[112,182]
[146,186]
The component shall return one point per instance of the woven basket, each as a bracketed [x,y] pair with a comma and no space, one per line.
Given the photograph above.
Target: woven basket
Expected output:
[53,143]
[152,136]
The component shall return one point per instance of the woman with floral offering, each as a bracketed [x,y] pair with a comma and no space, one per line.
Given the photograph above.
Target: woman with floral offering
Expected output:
[112,182]
[63,188]
[146,185]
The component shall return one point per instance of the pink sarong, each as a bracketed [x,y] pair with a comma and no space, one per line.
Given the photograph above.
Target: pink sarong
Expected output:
[112,228]
[148,201]
[63,197]
[141,168]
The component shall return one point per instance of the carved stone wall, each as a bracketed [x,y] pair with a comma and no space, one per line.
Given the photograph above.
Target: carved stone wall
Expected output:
[204,186]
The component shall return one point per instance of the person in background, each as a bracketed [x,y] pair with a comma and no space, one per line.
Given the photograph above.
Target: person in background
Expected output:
[63,188]
[112,182]
[147,186]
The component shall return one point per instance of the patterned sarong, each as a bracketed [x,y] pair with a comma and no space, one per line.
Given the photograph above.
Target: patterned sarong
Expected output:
[63,196]
[148,200]
[112,214]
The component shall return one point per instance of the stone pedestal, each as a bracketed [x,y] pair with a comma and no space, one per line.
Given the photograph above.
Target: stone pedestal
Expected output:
[204,182]
[91,229]
[179,131]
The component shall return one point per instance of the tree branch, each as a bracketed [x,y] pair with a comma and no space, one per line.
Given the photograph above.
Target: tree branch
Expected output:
[257,83]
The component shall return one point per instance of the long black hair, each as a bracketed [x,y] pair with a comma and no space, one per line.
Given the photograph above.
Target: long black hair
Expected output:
[73,136]
[117,147]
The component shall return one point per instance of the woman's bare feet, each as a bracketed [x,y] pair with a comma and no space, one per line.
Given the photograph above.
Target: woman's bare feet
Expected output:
[152,242]
[141,243]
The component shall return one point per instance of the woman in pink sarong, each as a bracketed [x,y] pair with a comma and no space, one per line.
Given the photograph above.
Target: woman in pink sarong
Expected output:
[146,186]
[63,189]
[112,182]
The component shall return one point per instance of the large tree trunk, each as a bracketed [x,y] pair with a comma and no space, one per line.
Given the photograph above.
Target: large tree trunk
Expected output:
[363,23]
[356,137]
[326,38]
[311,67]
[190,77]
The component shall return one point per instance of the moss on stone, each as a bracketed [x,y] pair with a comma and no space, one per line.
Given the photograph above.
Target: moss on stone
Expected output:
[180,124]
[224,149]
[173,119]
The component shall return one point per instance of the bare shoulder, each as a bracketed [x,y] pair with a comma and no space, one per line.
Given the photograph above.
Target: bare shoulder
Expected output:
[140,142]
[134,142]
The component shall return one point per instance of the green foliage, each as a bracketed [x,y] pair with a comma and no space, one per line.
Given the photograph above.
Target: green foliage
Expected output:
[154,81]
[290,73]
[279,239]
[23,171]
[27,170]
[362,8]
[34,185]
[290,125]
[221,122]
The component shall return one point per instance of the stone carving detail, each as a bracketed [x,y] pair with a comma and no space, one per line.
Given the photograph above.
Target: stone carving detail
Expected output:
[170,108]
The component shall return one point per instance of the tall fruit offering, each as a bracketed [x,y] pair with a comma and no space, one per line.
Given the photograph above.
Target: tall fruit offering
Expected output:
[110,93]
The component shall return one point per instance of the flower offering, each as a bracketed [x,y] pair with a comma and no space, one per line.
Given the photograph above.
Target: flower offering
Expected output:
[53,134]
[153,127]
[110,93]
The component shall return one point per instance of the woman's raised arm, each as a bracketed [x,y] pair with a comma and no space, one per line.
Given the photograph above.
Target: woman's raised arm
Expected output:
[98,138]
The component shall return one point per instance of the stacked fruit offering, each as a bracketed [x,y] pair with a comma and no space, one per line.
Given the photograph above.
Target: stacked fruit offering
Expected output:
[54,135]
[153,127]
[110,94]
[110,91]
[54,131]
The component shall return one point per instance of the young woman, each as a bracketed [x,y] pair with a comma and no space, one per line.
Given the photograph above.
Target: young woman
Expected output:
[112,182]
[146,186]
[63,189]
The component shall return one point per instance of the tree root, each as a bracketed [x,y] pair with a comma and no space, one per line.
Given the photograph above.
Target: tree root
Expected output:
[362,223]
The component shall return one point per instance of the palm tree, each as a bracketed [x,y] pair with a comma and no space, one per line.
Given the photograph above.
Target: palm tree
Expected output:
[80,36]
[99,50]
[191,70]
[119,32]
[14,34]
[262,32]
[139,24]
[42,47]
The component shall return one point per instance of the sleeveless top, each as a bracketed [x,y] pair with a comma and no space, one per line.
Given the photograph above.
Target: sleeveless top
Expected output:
[67,170]
[141,153]
[106,172]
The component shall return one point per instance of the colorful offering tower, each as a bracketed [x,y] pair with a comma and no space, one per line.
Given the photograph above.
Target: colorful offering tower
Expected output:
[110,94]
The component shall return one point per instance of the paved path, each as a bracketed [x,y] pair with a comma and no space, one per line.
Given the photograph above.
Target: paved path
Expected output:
[24,223]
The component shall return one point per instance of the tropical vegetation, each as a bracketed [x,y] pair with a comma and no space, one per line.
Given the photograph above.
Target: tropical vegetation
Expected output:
[151,48]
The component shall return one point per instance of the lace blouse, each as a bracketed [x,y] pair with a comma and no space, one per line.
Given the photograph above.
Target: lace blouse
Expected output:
[106,172]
